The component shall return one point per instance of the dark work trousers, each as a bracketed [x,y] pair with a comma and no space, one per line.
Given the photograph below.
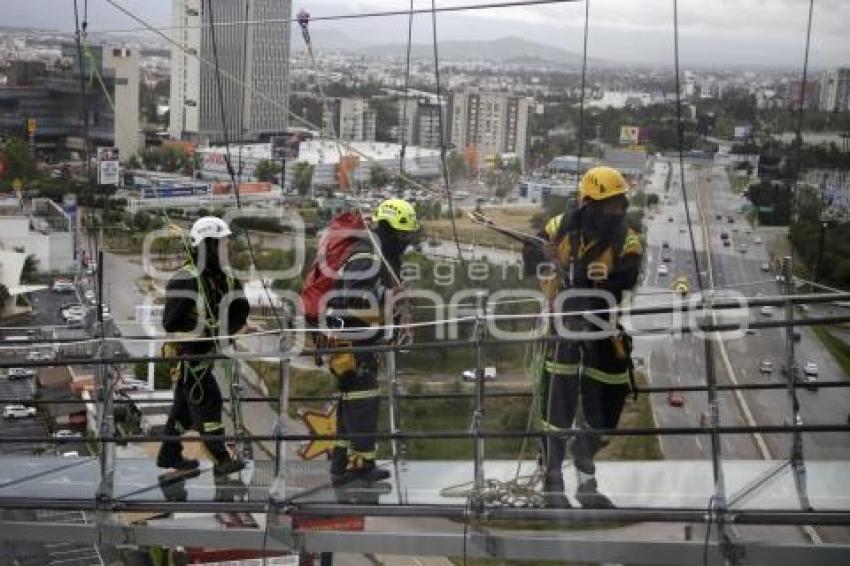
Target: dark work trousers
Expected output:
[197,406]
[573,369]
[357,411]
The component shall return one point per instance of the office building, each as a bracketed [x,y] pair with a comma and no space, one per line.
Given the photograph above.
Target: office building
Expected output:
[419,122]
[835,90]
[349,119]
[49,96]
[494,123]
[185,69]
[124,63]
[254,64]
[41,229]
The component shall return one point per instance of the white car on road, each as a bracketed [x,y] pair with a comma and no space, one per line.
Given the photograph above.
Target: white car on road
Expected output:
[18,412]
[767,310]
[662,269]
[65,433]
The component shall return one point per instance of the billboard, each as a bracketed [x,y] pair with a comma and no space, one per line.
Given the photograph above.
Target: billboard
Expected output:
[108,171]
[630,135]
[168,190]
[835,201]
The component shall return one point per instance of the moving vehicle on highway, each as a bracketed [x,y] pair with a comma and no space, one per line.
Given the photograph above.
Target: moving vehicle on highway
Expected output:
[20,373]
[765,267]
[766,310]
[675,399]
[18,412]
[662,269]
[489,374]
[810,368]
[766,366]
[63,286]
[65,433]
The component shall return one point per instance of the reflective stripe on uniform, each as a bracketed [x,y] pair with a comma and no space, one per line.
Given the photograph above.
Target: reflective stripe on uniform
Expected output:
[342,443]
[561,368]
[553,226]
[632,244]
[357,395]
[545,425]
[365,455]
[605,377]
[210,426]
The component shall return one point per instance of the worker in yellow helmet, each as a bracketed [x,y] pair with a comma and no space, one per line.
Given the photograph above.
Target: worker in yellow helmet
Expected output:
[365,270]
[591,248]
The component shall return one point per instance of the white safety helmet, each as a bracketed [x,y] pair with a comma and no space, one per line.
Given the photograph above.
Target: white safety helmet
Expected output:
[208,227]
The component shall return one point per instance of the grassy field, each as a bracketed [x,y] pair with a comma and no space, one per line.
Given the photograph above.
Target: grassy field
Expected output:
[517,218]
[454,414]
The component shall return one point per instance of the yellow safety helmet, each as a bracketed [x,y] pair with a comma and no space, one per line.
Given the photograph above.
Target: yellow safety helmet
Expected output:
[399,214]
[602,182]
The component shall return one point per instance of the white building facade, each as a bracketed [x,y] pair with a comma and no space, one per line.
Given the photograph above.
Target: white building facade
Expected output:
[254,64]
[493,122]
[185,69]
[125,63]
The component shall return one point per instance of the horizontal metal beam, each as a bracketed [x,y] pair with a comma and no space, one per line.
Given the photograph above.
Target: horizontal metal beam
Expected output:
[598,546]
[445,435]
[575,516]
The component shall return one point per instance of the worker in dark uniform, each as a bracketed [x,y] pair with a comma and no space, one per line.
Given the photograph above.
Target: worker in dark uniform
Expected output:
[590,248]
[365,284]
[193,308]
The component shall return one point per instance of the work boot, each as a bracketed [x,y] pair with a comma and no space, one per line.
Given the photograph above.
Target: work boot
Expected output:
[582,453]
[367,473]
[228,466]
[553,492]
[179,463]
[590,498]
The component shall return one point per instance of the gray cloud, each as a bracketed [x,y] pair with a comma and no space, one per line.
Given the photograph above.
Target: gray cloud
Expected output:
[711,31]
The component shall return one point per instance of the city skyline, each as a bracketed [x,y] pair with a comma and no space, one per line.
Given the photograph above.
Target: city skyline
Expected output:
[749,32]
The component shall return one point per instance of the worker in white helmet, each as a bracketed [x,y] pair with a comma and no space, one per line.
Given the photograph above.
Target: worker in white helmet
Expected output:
[193,307]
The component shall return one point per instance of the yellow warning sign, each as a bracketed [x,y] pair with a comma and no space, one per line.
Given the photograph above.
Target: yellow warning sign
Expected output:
[32,125]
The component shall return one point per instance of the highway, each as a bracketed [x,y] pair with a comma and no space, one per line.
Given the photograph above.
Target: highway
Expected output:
[681,359]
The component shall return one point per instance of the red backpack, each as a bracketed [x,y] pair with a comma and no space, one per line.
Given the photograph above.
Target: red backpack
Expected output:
[344,231]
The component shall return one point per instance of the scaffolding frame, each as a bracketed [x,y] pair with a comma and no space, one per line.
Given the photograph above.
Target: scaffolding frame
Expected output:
[279,509]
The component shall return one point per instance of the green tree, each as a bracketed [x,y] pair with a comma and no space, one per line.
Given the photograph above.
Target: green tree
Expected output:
[267,170]
[378,177]
[303,177]
[20,163]
[456,165]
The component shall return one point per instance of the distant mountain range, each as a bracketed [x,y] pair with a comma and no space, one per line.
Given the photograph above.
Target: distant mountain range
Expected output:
[504,49]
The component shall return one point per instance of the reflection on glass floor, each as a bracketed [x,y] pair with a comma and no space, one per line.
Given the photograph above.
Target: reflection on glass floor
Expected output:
[653,484]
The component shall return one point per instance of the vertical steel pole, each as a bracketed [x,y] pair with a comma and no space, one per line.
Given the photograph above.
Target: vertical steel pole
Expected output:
[284,372]
[478,415]
[392,399]
[714,414]
[106,417]
[796,457]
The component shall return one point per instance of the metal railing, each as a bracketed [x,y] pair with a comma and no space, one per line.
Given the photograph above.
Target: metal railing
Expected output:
[281,503]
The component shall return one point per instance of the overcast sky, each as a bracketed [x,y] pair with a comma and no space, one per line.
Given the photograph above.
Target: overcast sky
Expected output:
[720,32]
